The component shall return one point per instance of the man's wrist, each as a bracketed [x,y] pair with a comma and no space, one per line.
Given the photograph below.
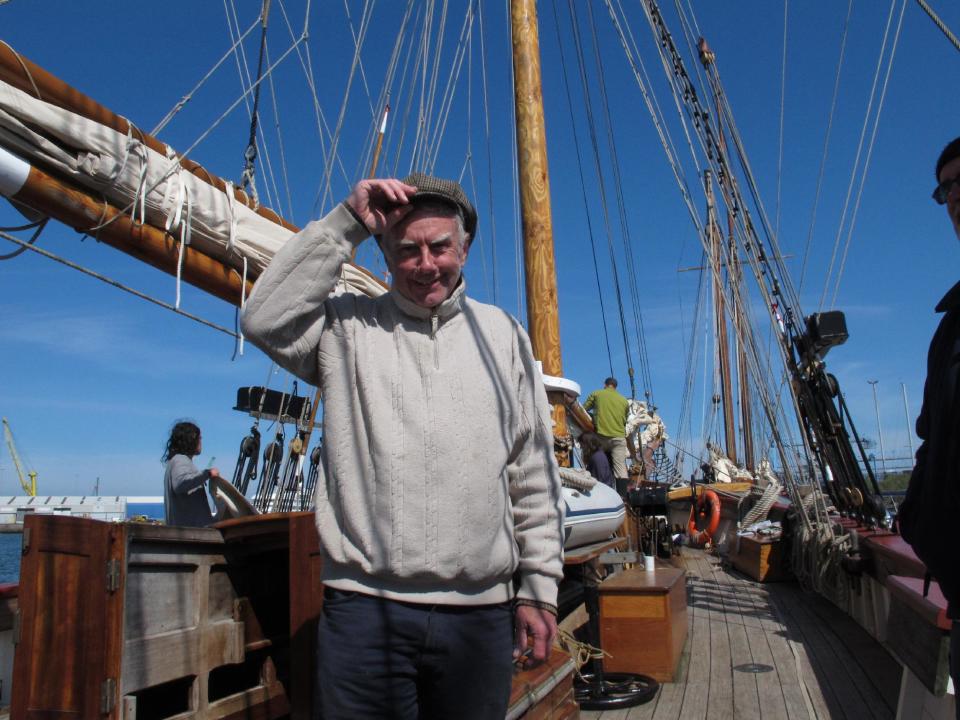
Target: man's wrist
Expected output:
[355,215]
[539,604]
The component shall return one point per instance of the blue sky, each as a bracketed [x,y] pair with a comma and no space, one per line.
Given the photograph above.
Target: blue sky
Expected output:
[93,377]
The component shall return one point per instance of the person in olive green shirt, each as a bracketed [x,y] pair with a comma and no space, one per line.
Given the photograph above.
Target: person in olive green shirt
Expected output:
[610,410]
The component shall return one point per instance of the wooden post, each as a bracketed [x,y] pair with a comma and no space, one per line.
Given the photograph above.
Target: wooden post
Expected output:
[541,276]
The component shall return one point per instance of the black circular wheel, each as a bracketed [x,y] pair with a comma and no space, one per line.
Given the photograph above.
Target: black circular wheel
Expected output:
[615,690]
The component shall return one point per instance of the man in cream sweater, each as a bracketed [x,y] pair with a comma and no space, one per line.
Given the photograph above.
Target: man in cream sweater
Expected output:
[439,510]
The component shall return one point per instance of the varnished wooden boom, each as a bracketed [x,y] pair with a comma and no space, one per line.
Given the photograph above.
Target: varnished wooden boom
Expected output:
[76,208]
[24,75]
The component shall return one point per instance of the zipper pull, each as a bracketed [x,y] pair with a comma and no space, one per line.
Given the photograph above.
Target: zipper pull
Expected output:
[434,323]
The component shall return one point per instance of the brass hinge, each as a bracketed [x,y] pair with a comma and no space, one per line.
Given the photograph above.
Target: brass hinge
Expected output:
[16,627]
[25,541]
[113,575]
[108,696]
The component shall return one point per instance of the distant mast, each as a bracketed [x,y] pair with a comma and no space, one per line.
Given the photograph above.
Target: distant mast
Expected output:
[541,276]
[734,277]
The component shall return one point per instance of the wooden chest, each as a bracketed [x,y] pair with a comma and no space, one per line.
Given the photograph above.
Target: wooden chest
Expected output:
[643,621]
[760,558]
[132,621]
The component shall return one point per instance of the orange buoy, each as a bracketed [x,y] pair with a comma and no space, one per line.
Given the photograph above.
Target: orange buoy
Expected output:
[707,505]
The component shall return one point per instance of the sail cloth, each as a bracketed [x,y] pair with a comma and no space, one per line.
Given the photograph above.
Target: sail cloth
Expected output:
[155,188]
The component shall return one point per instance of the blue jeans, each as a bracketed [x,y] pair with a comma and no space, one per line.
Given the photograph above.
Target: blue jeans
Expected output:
[380,658]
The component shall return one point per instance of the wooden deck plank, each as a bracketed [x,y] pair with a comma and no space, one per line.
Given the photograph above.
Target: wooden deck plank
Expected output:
[733,621]
[859,686]
[821,666]
[882,670]
[752,605]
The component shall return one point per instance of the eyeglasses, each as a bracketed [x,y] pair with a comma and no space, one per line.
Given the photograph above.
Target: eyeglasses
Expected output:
[942,190]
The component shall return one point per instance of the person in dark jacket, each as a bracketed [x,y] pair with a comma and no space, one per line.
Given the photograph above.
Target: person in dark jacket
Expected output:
[935,485]
[185,500]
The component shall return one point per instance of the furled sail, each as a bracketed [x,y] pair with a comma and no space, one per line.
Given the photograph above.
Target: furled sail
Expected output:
[126,171]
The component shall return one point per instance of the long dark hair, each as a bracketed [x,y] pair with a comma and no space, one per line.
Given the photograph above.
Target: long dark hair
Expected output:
[184,438]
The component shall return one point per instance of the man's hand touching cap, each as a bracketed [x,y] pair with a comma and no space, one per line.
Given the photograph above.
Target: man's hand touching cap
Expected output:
[381,203]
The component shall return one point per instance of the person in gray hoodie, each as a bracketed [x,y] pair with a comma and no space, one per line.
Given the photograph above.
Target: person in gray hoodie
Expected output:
[184,496]
[439,507]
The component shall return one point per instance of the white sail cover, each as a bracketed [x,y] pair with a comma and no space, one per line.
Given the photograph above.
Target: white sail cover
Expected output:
[152,187]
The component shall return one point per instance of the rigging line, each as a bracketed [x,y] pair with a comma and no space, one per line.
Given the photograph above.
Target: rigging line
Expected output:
[583,185]
[856,162]
[383,102]
[273,189]
[37,228]
[250,154]
[431,100]
[412,57]
[866,162]
[189,96]
[103,278]
[468,163]
[939,23]
[632,50]
[363,75]
[420,73]
[243,70]
[486,128]
[306,65]
[662,133]
[621,207]
[632,274]
[446,101]
[689,33]
[206,133]
[598,169]
[826,145]
[283,154]
[324,192]
[783,102]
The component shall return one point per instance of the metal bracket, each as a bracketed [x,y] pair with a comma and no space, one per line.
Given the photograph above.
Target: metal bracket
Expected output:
[113,575]
[108,696]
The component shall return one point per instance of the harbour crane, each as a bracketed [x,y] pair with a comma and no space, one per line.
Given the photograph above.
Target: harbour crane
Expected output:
[29,485]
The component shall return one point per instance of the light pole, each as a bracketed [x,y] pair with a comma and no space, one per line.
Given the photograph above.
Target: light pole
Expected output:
[906,415]
[876,407]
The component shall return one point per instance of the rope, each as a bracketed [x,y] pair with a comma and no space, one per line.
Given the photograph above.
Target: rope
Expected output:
[856,161]
[40,225]
[939,23]
[583,189]
[826,145]
[866,162]
[783,95]
[103,278]
[189,96]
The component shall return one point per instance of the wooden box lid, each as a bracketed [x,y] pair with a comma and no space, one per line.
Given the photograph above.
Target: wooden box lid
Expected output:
[639,581]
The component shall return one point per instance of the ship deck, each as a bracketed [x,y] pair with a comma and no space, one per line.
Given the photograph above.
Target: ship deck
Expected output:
[768,651]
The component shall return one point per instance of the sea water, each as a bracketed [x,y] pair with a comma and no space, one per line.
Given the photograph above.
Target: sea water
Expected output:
[10,543]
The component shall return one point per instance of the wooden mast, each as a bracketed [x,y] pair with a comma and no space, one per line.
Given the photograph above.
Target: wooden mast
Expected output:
[714,236]
[541,277]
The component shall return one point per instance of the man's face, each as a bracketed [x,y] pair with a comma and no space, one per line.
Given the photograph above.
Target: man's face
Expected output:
[425,254]
[951,171]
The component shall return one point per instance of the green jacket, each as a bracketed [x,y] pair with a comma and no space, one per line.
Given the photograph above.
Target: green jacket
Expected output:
[610,410]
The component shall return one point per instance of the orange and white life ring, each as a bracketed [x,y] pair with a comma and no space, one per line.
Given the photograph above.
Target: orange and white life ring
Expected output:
[707,505]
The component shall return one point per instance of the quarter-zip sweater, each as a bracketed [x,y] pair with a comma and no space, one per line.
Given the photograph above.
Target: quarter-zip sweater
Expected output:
[438,480]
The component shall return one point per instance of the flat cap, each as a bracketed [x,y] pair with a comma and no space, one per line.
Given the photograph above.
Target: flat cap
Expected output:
[446,191]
